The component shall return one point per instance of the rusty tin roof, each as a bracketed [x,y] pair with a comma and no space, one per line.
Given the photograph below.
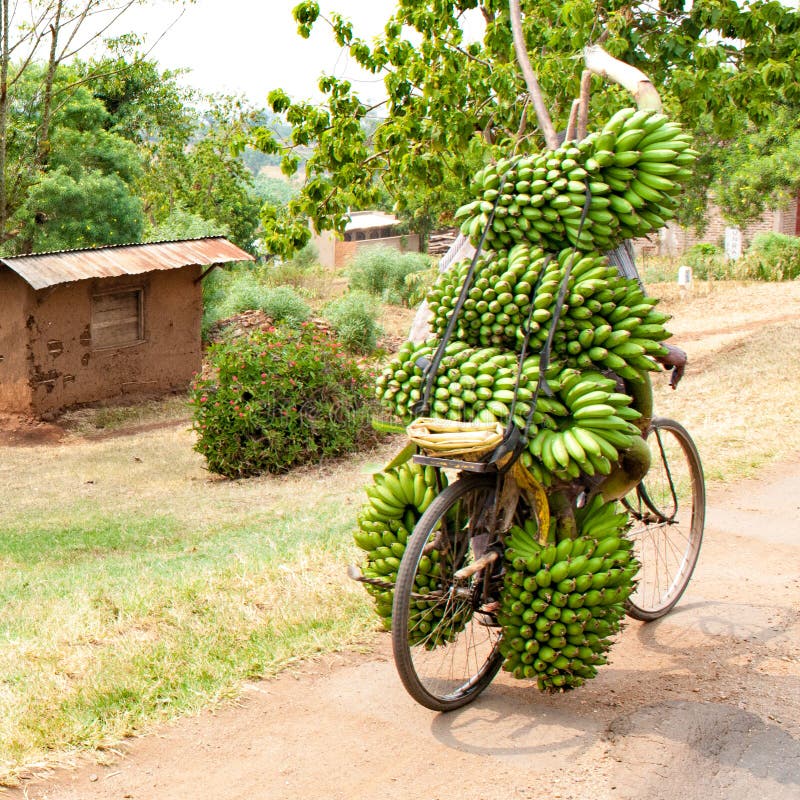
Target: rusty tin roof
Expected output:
[41,270]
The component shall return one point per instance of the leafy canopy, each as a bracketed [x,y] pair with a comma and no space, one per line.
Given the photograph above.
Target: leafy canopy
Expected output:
[452,102]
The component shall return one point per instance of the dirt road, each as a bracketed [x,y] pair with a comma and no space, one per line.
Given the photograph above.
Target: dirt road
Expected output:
[703,704]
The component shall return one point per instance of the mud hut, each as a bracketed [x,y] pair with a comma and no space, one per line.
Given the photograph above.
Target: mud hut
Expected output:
[83,326]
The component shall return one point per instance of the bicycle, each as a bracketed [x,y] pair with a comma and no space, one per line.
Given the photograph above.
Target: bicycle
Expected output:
[669,508]
[446,638]
[446,634]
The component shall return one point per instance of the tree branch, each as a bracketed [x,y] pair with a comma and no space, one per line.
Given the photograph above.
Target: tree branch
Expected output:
[572,122]
[583,111]
[542,114]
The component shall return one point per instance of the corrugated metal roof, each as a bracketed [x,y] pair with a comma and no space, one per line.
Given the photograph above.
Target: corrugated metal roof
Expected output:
[359,220]
[41,270]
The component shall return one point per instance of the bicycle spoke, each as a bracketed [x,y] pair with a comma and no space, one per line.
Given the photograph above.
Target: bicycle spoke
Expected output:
[669,503]
[448,665]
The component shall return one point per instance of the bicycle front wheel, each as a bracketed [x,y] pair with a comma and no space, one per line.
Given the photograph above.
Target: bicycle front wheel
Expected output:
[668,508]
[444,634]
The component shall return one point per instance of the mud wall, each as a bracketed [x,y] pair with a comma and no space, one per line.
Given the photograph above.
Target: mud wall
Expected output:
[16,298]
[66,368]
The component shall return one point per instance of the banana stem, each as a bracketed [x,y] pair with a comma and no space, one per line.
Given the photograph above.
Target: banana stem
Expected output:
[633,465]
[634,80]
[562,508]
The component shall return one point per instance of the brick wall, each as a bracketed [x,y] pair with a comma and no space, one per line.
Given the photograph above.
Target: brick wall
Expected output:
[675,240]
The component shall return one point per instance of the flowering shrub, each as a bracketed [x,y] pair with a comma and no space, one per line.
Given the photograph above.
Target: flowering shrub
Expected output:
[277,399]
[354,318]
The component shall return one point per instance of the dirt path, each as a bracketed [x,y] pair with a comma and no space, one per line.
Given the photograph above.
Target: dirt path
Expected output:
[703,704]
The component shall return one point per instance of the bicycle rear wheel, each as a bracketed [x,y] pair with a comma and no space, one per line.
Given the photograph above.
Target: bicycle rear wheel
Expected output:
[668,508]
[444,635]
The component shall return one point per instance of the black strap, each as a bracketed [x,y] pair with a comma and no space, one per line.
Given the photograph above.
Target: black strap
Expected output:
[526,341]
[431,368]
[514,439]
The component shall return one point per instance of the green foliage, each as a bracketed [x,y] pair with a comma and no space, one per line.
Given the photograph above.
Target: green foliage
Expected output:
[770,257]
[121,149]
[774,257]
[354,318]
[230,291]
[182,224]
[279,399]
[284,304]
[453,103]
[761,168]
[95,209]
[86,194]
[708,261]
[307,257]
[185,145]
[273,190]
[297,270]
[142,101]
[418,284]
[383,271]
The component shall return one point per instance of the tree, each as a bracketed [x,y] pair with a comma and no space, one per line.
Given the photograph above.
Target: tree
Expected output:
[86,196]
[452,103]
[759,169]
[190,175]
[197,168]
[276,191]
[60,29]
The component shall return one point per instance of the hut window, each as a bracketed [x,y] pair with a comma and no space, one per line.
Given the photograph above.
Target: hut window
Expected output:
[117,318]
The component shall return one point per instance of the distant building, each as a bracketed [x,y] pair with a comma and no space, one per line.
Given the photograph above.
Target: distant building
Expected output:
[365,229]
[81,326]
[674,240]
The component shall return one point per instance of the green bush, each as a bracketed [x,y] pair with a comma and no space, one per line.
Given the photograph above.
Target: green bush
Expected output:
[774,257]
[418,284]
[708,262]
[295,271]
[279,399]
[354,318]
[229,292]
[382,271]
[284,304]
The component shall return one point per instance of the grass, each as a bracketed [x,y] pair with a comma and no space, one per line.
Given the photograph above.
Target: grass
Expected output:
[135,588]
[737,397]
[113,417]
[111,622]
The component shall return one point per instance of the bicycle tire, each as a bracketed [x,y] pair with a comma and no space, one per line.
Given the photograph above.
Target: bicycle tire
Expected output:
[450,664]
[669,508]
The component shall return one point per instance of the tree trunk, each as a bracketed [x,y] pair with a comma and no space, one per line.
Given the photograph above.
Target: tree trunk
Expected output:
[4,56]
[43,146]
[521,49]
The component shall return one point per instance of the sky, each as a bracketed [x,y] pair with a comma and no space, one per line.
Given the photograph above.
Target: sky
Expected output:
[251,46]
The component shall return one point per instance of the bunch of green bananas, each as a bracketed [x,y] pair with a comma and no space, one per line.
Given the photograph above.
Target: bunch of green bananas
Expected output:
[606,320]
[630,171]
[579,430]
[561,603]
[598,427]
[499,298]
[397,499]
[472,383]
